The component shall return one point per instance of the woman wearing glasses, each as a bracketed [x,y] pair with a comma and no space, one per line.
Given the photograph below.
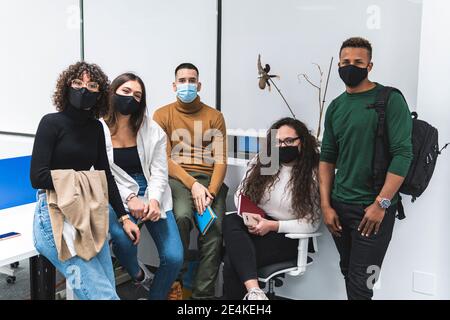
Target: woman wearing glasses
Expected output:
[287,190]
[73,138]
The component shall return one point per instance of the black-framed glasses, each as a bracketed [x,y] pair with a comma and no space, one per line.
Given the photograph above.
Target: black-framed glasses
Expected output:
[287,141]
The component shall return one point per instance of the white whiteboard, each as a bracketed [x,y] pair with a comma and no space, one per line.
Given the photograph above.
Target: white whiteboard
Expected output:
[151,38]
[39,39]
[292,34]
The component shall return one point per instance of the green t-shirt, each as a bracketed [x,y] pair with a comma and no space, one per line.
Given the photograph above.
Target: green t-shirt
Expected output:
[349,142]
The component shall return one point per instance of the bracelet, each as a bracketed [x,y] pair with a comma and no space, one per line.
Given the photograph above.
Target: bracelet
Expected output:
[130,197]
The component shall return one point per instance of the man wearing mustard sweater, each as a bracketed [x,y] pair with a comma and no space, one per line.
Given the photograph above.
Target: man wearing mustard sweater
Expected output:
[197,155]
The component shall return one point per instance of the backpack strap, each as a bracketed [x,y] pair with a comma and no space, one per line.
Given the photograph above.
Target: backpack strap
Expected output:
[381,152]
[380,104]
[400,209]
[382,157]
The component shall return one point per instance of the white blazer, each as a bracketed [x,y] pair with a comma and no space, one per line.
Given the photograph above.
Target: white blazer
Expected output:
[151,146]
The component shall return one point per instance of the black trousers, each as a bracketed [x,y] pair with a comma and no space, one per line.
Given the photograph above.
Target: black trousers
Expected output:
[360,256]
[245,253]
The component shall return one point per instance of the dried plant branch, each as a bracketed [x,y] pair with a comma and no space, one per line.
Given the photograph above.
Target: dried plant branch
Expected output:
[319,89]
[309,81]
[322,107]
[320,70]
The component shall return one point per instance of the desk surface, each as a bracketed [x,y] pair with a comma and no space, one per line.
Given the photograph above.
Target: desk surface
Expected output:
[17,219]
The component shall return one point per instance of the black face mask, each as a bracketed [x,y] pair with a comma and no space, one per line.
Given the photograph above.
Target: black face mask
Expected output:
[82,99]
[125,104]
[352,75]
[288,154]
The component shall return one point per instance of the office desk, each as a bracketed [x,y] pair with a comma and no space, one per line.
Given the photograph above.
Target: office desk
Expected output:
[42,273]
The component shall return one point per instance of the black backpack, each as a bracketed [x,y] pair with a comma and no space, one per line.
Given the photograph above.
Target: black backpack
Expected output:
[425,152]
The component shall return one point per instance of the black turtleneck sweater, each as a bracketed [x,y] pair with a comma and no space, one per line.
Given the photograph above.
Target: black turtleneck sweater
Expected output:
[71,139]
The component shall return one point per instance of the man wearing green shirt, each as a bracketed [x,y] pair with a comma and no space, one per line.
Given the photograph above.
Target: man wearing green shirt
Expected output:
[361,219]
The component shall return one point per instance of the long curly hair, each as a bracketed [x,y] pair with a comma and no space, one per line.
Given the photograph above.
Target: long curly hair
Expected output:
[75,71]
[303,184]
[137,118]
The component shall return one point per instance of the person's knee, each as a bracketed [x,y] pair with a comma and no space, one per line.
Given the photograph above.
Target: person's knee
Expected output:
[183,219]
[174,259]
[120,240]
[231,223]
[116,231]
[226,223]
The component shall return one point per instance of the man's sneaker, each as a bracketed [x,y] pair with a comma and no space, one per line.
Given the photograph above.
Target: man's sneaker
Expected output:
[176,292]
[148,277]
[255,294]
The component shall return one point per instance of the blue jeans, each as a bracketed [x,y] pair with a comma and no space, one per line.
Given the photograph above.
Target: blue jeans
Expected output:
[90,280]
[167,239]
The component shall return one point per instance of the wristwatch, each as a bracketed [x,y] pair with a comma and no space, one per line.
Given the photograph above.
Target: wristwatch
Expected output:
[123,218]
[384,202]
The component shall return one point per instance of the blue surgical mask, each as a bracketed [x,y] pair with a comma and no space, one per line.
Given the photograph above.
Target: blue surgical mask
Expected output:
[187,92]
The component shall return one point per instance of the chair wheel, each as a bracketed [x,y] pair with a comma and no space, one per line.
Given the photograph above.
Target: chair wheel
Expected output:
[14,265]
[11,279]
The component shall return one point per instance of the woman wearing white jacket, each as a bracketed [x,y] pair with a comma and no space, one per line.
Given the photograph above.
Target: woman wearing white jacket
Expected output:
[136,148]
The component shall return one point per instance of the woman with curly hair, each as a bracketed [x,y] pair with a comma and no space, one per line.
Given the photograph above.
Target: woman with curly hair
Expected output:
[73,138]
[289,197]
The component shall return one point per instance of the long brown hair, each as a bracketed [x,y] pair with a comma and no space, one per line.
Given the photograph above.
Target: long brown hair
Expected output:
[303,183]
[135,118]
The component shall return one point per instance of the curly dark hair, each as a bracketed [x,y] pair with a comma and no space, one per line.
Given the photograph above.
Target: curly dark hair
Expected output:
[75,71]
[303,184]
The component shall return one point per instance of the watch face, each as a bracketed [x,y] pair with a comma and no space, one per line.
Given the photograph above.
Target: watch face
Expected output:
[385,203]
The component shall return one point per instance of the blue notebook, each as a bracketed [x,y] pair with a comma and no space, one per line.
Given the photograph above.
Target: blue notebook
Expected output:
[205,220]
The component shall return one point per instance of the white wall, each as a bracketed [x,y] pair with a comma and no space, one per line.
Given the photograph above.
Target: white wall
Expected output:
[292,34]
[151,38]
[420,243]
[39,39]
